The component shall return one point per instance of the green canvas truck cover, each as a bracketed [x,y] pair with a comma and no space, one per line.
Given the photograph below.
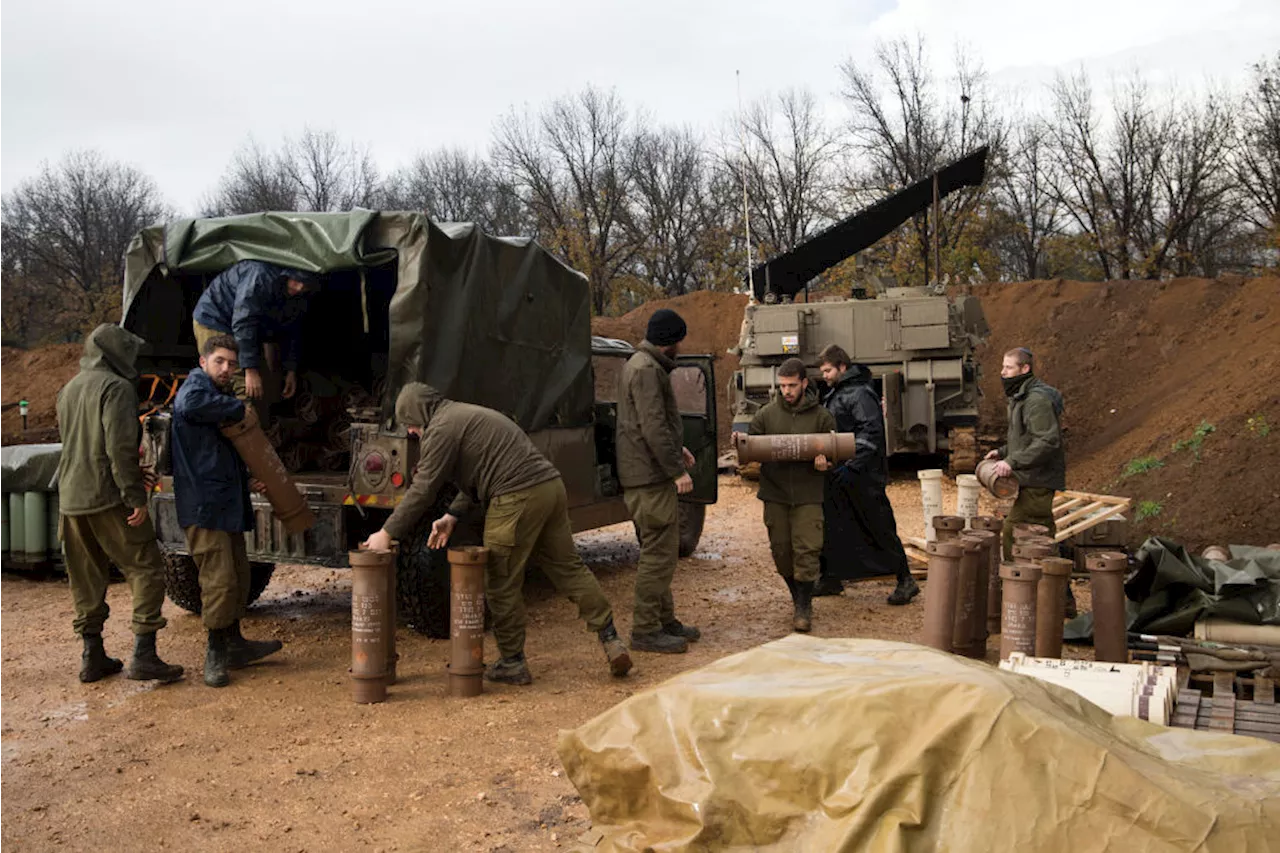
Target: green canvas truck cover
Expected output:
[496,321]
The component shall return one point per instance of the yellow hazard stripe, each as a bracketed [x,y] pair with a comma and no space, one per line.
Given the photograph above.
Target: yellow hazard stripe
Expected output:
[372,500]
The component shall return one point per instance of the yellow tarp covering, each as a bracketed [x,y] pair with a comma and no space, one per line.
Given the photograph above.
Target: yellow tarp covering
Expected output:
[807,744]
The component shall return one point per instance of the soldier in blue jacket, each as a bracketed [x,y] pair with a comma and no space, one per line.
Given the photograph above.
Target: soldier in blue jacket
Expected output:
[257,303]
[211,489]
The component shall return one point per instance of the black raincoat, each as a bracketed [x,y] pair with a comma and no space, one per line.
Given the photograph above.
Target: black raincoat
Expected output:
[861,537]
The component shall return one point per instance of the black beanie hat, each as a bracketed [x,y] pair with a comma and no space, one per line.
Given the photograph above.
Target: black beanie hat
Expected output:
[666,328]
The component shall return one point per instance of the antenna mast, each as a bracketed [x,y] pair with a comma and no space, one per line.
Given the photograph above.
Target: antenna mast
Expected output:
[746,212]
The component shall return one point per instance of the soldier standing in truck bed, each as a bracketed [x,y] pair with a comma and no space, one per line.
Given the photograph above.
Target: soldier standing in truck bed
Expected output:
[494,463]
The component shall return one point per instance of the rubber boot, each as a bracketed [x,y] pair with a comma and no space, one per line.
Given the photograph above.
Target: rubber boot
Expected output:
[242,652]
[676,628]
[615,650]
[94,663]
[216,658]
[906,590]
[146,664]
[803,619]
[512,670]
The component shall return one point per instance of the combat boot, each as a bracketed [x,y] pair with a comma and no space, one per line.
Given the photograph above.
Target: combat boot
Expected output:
[906,590]
[512,670]
[216,659]
[803,619]
[94,663]
[146,664]
[676,628]
[828,585]
[242,652]
[615,650]
[660,642]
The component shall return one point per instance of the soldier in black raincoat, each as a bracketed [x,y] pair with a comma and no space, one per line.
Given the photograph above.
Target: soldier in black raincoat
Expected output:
[861,537]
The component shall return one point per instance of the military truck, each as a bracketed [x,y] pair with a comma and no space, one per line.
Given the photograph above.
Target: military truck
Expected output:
[499,322]
[918,343]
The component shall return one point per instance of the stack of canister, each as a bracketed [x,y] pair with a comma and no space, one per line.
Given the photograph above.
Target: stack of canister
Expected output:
[1020,589]
[29,529]
[955,617]
[1143,690]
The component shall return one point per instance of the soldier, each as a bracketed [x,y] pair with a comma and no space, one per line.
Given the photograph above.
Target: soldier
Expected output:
[1033,451]
[861,532]
[653,468]
[256,302]
[103,505]
[211,490]
[792,491]
[494,464]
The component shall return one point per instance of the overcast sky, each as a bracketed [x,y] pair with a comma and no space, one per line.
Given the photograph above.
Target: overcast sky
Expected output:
[174,87]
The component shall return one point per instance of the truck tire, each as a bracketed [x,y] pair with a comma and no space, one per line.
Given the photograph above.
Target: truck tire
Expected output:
[422,585]
[182,580]
[692,516]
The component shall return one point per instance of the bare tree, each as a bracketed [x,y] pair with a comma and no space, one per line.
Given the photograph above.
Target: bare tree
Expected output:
[1022,189]
[787,153]
[1107,181]
[1257,150]
[905,126]
[314,172]
[64,237]
[452,185]
[569,165]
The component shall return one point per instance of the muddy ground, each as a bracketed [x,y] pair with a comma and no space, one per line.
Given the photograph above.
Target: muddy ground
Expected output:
[283,759]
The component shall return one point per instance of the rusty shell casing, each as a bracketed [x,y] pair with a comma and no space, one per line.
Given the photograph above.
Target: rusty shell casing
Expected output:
[962,636]
[1018,608]
[940,594]
[392,611]
[1033,552]
[368,624]
[802,447]
[995,524]
[466,620]
[1001,487]
[988,561]
[1106,578]
[260,457]
[1051,599]
[947,527]
[1029,531]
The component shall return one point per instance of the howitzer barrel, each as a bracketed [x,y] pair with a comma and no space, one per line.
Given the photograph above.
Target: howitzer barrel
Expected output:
[263,463]
[804,447]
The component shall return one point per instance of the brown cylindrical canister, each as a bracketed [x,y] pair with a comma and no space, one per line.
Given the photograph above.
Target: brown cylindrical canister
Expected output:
[1001,487]
[368,624]
[947,527]
[1051,597]
[1018,608]
[1216,552]
[995,525]
[1032,552]
[392,612]
[940,593]
[990,544]
[466,620]
[1106,579]
[974,553]
[263,463]
[836,446]
[1029,531]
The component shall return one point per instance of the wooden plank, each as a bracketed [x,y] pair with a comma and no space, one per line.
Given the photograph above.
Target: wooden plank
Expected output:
[1083,512]
[1060,507]
[1264,691]
[1084,524]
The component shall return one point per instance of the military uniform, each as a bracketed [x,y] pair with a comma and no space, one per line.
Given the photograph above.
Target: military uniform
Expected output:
[650,443]
[1034,452]
[100,483]
[495,465]
[792,494]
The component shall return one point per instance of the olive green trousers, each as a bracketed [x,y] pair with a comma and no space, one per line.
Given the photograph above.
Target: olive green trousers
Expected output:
[655,511]
[1032,506]
[795,538]
[223,562]
[96,541]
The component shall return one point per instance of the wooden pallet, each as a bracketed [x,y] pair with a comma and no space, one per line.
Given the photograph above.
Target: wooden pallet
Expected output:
[1218,703]
[1074,512]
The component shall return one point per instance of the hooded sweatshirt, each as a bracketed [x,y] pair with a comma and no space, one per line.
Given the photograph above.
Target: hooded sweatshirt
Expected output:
[98,420]
[482,452]
[791,483]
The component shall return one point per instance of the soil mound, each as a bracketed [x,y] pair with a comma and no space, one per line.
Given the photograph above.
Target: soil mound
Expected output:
[714,320]
[35,375]
[1170,391]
